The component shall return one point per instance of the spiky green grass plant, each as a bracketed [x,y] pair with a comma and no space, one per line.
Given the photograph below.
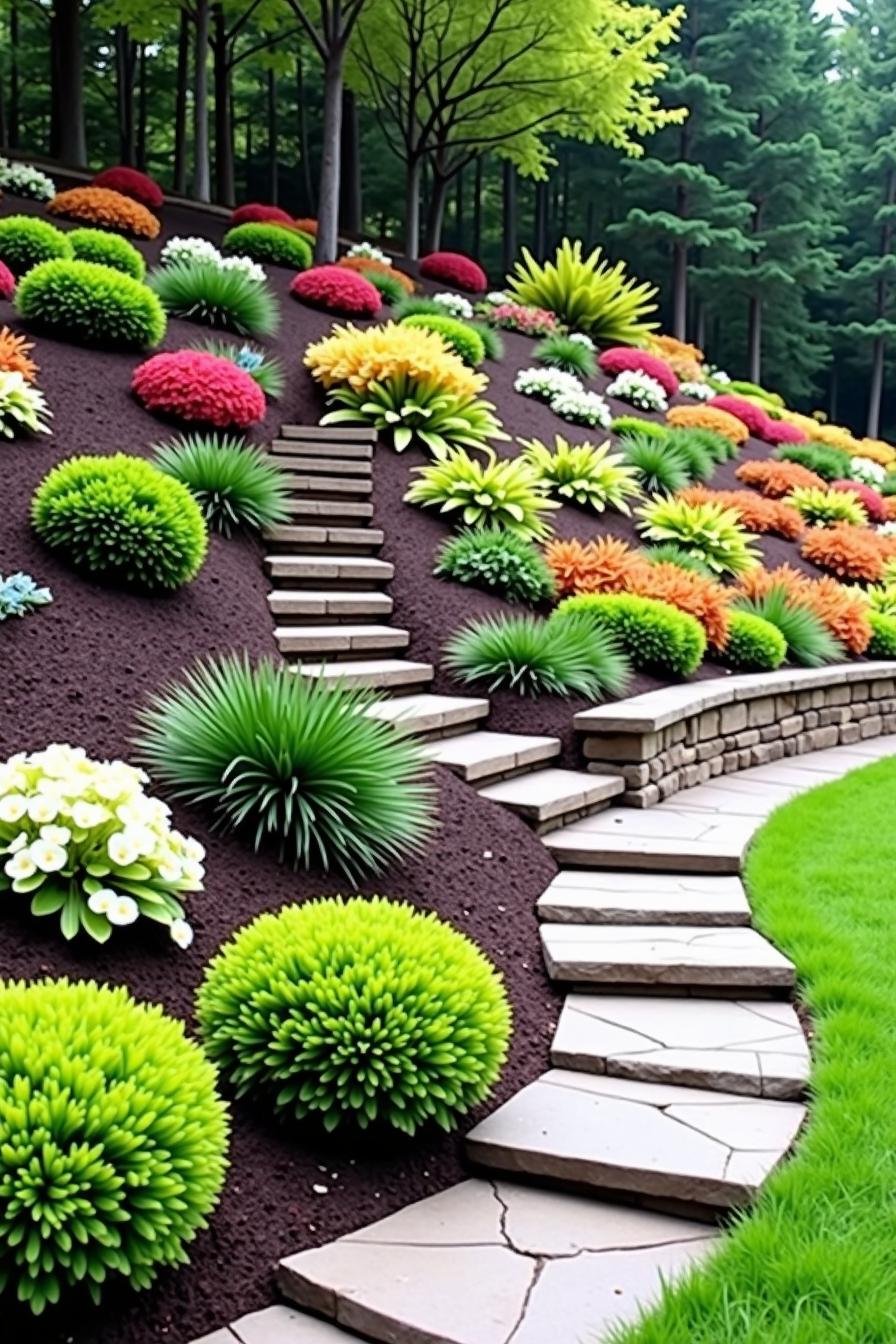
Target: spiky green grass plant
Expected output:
[538,657]
[391,290]
[831,464]
[587,293]
[225,299]
[292,762]
[809,641]
[236,484]
[560,352]
[658,465]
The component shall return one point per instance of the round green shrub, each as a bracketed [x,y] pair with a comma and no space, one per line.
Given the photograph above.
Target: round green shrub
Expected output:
[498,561]
[108,249]
[269,242]
[656,636]
[634,424]
[754,644]
[25,241]
[84,302]
[113,1140]
[364,1010]
[121,519]
[390,289]
[883,635]
[459,336]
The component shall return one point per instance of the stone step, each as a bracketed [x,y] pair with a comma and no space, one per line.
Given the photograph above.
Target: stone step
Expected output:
[279,1325]
[315,570]
[298,537]
[325,487]
[331,639]
[655,1140]
[687,957]
[329,511]
[326,466]
[331,434]
[581,896]
[380,674]
[661,838]
[477,757]
[489,1262]
[549,798]
[727,1045]
[429,715]
[327,605]
[336,452]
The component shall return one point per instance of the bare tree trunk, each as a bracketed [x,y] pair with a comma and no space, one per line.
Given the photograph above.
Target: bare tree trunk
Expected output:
[754,339]
[413,175]
[180,105]
[564,216]
[201,170]
[302,122]
[68,82]
[541,218]
[876,390]
[508,211]
[700,325]
[224,184]
[476,242]
[14,124]
[142,108]
[124,73]
[459,211]
[680,291]
[350,176]
[436,213]
[833,390]
[273,175]
[247,161]
[327,244]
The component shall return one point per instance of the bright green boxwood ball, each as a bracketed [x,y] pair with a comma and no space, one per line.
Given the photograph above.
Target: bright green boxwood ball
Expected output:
[754,644]
[25,241]
[656,636]
[883,635]
[90,304]
[113,1140]
[363,1010]
[121,520]
[463,339]
[109,249]
[269,243]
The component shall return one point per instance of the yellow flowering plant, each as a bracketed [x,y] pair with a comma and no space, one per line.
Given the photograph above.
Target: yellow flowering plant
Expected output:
[84,841]
[360,358]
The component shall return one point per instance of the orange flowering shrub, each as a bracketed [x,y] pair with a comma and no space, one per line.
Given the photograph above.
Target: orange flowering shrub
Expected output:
[363,264]
[756,513]
[600,566]
[877,451]
[308,226]
[709,417]
[686,361]
[682,588]
[890,508]
[106,210]
[14,356]
[847,551]
[843,610]
[776,479]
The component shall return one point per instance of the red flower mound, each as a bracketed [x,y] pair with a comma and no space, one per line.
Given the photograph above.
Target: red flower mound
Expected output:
[131,183]
[261,214]
[627,359]
[871,501]
[781,431]
[7,282]
[453,268]
[337,290]
[749,414]
[194,386]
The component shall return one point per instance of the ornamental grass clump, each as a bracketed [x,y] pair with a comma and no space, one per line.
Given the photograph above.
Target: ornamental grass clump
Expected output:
[659,467]
[238,486]
[108,249]
[26,241]
[90,304]
[710,531]
[292,762]
[459,336]
[120,520]
[265,370]
[585,473]
[820,507]
[843,611]
[82,839]
[359,1012]
[754,644]
[224,298]
[269,243]
[531,656]
[113,1141]
[410,411]
[653,635]
[587,293]
[486,492]
[22,407]
[566,354]
[498,561]
[831,464]
[807,639]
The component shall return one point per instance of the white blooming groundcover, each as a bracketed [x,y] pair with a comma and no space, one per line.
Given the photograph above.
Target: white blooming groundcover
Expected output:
[84,841]
[203,249]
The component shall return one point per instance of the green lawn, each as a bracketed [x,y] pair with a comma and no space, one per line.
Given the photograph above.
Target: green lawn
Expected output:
[814,1261]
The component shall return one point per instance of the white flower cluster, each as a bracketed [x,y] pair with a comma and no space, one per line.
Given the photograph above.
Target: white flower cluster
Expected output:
[83,840]
[546,383]
[639,390]
[865,470]
[717,375]
[887,529]
[203,249]
[23,179]
[496,297]
[22,406]
[581,338]
[582,408]
[370,252]
[699,391]
[455,304]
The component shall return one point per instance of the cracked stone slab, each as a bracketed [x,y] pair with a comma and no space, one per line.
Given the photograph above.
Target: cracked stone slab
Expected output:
[278,1325]
[490,1262]
[579,896]
[657,1140]
[686,956]
[666,838]
[757,1049]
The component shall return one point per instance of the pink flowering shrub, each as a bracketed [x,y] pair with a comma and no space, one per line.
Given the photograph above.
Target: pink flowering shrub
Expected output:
[197,387]
[453,268]
[869,498]
[747,412]
[254,213]
[337,290]
[7,282]
[782,431]
[627,358]
[528,321]
[130,182]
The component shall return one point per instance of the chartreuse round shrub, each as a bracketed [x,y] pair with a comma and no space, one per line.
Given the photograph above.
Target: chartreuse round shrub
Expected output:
[113,1140]
[121,519]
[883,635]
[292,762]
[25,241]
[363,1011]
[654,635]
[539,657]
[459,336]
[809,641]
[108,249]
[84,302]
[754,644]
[268,242]
[237,485]
[498,561]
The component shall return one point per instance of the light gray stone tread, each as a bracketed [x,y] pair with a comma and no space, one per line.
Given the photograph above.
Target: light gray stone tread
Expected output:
[334,434]
[339,638]
[278,1325]
[584,896]
[481,755]
[299,534]
[688,957]
[544,794]
[329,485]
[662,838]
[489,1262]
[427,712]
[326,466]
[330,510]
[651,1139]
[329,602]
[372,672]
[329,567]
[727,1045]
[305,447]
